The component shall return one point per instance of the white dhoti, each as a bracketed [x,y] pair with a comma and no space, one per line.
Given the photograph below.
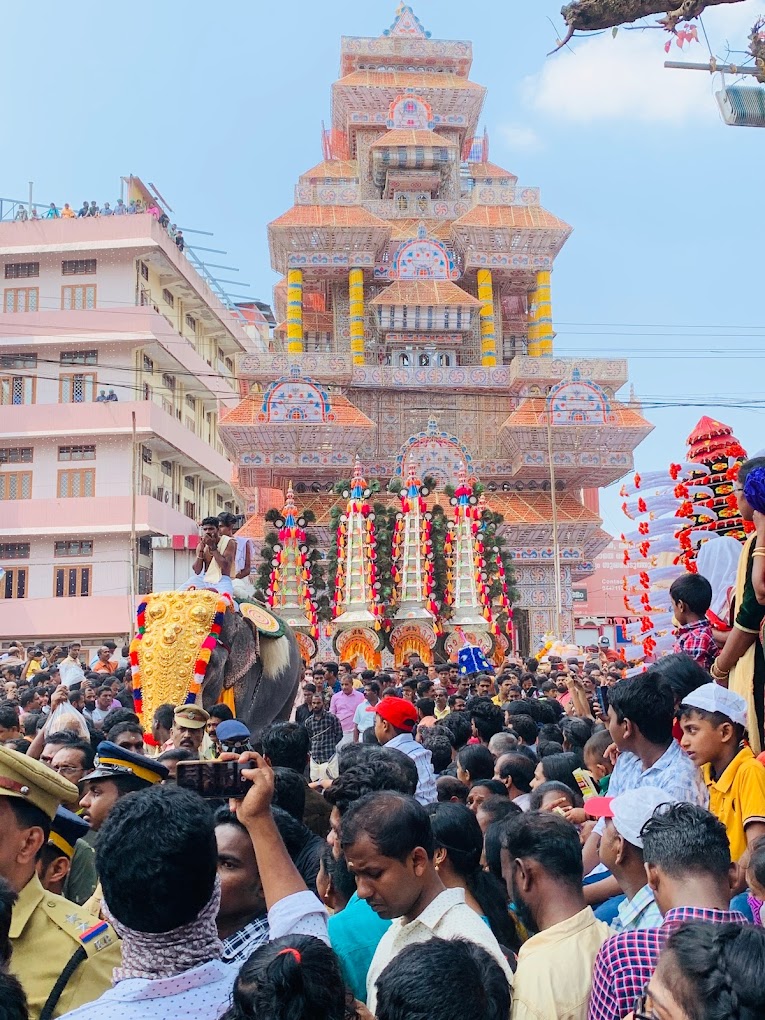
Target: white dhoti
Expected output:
[224,585]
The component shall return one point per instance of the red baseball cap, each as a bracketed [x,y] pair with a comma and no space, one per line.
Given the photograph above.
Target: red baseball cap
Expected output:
[398,712]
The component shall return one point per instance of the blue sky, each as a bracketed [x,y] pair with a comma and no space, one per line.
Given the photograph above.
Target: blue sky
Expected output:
[221,107]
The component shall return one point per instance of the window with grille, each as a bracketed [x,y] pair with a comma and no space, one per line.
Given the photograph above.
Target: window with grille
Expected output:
[144,271]
[75,299]
[190,509]
[78,267]
[16,485]
[78,358]
[13,584]
[21,270]
[16,455]
[191,402]
[22,299]
[146,455]
[14,550]
[76,453]
[168,297]
[148,364]
[146,391]
[167,467]
[17,389]
[191,322]
[188,481]
[77,389]
[145,581]
[71,582]
[77,484]
[229,363]
[10,361]
[219,500]
[144,545]
[168,381]
[81,547]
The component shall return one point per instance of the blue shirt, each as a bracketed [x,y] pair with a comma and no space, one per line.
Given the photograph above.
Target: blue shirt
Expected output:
[641,911]
[426,792]
[354,934]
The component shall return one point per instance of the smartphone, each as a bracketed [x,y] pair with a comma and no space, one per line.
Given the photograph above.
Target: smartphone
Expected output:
[214,779]
[602,693]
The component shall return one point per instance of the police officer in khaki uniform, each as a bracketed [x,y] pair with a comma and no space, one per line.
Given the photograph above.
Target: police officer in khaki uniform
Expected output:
[62,956]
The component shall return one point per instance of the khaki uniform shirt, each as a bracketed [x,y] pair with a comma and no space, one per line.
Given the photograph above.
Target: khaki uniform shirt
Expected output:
[45,933]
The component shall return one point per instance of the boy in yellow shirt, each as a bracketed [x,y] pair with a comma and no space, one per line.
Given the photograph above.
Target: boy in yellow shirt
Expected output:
[714,720]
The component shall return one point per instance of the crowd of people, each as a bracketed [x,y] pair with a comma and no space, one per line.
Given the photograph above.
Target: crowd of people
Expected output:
[555,840]
[91,210]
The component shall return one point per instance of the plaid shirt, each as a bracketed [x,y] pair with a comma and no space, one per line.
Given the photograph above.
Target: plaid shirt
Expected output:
[326,733]
[626,961]
[696,640]
[237,947]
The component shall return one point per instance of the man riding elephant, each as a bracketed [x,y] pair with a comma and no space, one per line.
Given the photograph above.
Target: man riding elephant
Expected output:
[215,560]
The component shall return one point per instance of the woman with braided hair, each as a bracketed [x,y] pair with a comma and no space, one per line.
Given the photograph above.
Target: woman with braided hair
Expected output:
[708,972]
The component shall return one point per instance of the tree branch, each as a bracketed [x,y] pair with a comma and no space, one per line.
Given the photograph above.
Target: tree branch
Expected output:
[596,15]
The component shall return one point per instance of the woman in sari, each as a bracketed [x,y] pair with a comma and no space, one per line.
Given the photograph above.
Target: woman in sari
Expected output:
[741,664]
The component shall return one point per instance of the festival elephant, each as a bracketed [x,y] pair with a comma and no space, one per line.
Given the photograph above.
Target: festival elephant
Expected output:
[192,646]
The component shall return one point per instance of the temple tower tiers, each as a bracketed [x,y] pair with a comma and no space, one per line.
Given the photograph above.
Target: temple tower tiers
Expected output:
[290,591]
[416,331]
[356,587]
[466,591]
[413,555]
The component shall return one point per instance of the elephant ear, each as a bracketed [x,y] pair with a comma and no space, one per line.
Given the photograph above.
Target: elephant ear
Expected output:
[241,638]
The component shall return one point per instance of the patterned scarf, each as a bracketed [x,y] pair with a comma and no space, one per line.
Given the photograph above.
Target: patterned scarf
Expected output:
[152,955]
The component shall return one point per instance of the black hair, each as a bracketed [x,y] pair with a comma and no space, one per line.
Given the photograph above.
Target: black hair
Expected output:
[14,1001]
[492,847]
[528,706]
[123,727]
[757,860]
[597,744]
[448,787]
[486,717]
[177,754]
[443,979]
[221,712]
[477,761]
[162,840]
[560,768]
[26,696]
[747,467]
[715,970]
[303,846]
[289,792]
[437,741]
[424,686]
[551,731]
[546,748]
[517,767]
[115,716]
[532,665]
[458,724]
[337,869]
[497,789]
[647,701]
[210,522]
[63,738]
[685,838]
[548,839]
[553,786]
[364,778]
[296,977]
[29,816]
[577,732]
[454,698]
[286,744]
[681,672]
[395,824]
[525,727]
[8,897]
[86,750]
[715,718]
[462,839]
[350,755]
[548,710]
[498,808]
[164,715]
[694,590]
[9,717]
[373,685]
[425,706]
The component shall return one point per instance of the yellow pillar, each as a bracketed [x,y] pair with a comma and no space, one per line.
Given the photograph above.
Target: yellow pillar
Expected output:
[356,301]
[541,331]
[295,311]
[486,297]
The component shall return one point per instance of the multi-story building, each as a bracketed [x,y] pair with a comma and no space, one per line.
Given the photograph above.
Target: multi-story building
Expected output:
[93,308]
[416,329]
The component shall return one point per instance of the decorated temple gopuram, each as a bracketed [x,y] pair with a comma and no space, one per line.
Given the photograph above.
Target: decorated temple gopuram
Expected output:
[415,348]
